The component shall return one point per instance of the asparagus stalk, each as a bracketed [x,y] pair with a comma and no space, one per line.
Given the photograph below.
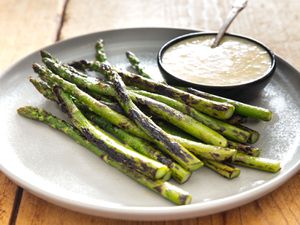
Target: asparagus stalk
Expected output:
[224,170]
[212,108]
[45,54]
[173,130]
[100,53]
[229,131]
[214,164]
[179,119]
[175,150]
[178,173]
[259,163]
[240,108]
[165,189]
[47,92]
[190,142]
[43,88]
[207,153]
[114,149]
[135,64]
[94,105]
[199,149]
[104,111]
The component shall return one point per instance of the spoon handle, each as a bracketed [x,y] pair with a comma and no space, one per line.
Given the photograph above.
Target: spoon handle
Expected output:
[237,7]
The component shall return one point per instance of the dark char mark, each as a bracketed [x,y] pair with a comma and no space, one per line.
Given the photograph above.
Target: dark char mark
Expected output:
[60,102]
[157,133]
[131,163]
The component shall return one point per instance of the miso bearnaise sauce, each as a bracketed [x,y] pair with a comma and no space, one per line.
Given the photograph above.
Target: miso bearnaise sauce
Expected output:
[234,61]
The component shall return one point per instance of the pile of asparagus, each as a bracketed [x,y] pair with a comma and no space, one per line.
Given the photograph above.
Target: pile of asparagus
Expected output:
[150,131]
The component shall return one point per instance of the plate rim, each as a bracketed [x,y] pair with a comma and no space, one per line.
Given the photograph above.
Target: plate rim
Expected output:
[154,213]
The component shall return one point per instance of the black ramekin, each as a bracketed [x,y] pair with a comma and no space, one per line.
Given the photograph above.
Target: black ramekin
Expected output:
[245,91]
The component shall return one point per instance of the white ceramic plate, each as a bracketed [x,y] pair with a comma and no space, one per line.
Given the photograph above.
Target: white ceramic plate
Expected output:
[53,167]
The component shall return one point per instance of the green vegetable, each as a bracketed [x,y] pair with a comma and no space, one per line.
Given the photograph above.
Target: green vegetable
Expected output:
[100,53]
[181,120]
[212,108]
[228,130]
[102,140]
[135,64]
[174,150]
[240,108]
[223,169]
[142,146]
[165,189]
[259,163]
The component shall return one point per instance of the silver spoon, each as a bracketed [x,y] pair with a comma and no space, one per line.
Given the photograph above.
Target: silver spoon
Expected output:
[237,7]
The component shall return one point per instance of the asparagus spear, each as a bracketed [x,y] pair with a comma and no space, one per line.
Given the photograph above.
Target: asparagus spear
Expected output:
[114,149]
[45,54]
[178,173]
[224,170]
[165,189]
[225,129]
[190,142]
[135,63]
[44,89]
[94,105]
[212,108]
[175,150]
[259,163]
[180,120]
[206,151]
[47,92]
[214,164]
[183,121]
[102,110]
[100,53]
[240,108]
[132,130]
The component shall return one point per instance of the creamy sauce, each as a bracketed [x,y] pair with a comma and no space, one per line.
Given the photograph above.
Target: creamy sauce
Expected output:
[234,61]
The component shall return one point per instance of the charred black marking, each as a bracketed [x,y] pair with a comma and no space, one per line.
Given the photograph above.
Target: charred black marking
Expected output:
[182,198]
[113,106]
[124,125]
[237,119]
[188,110]
[247,149]
[221,129]
[198,93]
[219,107]
[120,88]
[159,189]
[156,132]
[148,103]
[131,163]
[57,91]
[215,155]
[164,160]
[146,123]
[80,65]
